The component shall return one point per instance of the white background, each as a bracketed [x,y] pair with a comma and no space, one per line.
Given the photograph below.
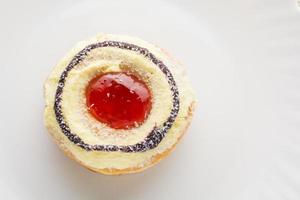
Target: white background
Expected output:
[243,58]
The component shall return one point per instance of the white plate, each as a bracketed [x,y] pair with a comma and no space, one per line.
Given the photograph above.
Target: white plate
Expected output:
[243,58]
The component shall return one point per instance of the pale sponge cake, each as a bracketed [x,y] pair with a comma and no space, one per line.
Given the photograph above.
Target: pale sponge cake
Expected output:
[98,129]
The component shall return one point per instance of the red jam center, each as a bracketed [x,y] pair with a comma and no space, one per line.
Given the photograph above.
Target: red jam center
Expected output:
[119,99]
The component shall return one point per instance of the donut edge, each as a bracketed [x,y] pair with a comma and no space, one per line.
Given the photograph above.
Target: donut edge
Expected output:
[112,171]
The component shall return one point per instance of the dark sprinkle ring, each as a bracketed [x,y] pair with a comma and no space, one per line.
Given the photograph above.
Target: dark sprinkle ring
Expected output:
[157,133]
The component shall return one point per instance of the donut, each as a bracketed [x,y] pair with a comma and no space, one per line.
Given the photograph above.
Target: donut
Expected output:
[117,104]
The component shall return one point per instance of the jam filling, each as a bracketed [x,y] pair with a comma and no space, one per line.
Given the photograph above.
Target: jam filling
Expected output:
[118,99]
[154,137]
